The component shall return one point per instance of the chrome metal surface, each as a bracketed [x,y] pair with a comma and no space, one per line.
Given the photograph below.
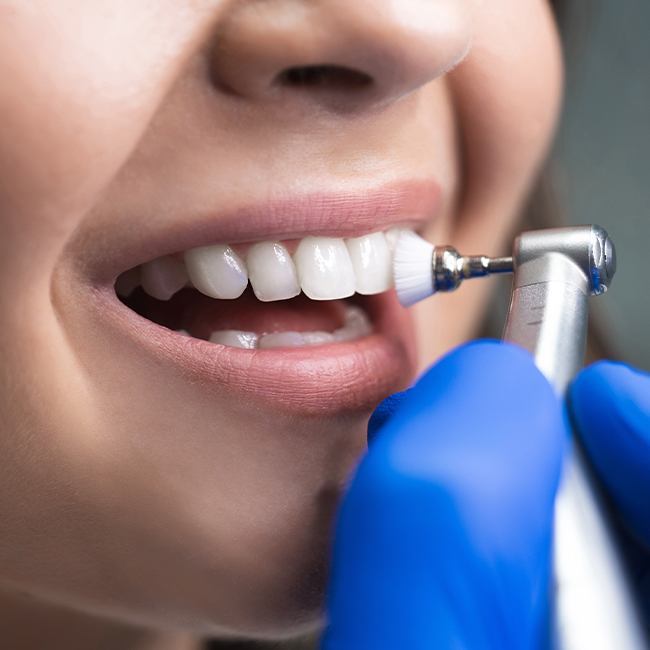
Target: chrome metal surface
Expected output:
[550,319]
[588,247]
[450,268]
[555,272]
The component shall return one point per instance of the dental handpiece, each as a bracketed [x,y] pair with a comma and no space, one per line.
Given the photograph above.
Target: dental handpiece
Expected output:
[555,272]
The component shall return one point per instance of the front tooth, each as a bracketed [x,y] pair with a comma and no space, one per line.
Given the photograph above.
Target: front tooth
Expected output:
[272,272]
[324,268]
[217,271]
[281,340]
[235,339]
[371,260]
[163,277]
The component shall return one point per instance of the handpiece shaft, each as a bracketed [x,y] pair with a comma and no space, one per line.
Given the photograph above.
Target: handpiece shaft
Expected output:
[499,265]
[594,607]
[449,268]
[479,266]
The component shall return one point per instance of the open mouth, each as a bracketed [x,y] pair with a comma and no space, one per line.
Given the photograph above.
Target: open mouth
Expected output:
[268,294]
[287,303]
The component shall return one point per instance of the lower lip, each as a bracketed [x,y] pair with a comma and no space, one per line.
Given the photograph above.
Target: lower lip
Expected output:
[324,379]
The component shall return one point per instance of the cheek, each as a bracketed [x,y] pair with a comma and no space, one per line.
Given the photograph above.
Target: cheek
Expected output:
[85,79]
[507,96]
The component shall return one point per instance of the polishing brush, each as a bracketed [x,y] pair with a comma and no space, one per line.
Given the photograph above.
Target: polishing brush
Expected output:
[421,269]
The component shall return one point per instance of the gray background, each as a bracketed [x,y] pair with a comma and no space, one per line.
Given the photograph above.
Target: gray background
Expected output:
[602,155]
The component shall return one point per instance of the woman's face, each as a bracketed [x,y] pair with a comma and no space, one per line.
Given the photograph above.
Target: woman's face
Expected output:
[162,477]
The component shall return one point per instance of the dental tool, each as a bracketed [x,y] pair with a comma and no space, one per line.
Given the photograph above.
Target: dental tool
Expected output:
[555,271]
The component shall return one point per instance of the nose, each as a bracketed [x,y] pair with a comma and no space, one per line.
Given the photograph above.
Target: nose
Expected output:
[339,52]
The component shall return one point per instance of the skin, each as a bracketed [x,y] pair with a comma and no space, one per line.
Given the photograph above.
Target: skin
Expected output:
[137,509]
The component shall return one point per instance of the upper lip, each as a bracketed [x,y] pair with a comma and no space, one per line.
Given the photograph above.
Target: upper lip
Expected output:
[409,203]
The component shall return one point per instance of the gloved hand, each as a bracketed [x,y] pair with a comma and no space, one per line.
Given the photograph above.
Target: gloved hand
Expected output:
[444,536]
[610,404]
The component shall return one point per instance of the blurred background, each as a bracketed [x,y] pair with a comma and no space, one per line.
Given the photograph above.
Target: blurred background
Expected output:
[601,160]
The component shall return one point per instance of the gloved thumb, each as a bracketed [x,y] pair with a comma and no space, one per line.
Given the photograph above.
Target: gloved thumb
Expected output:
[444,536]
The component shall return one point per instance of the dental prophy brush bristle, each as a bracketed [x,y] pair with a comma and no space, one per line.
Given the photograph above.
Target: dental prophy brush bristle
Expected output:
[412,268]
[420,269]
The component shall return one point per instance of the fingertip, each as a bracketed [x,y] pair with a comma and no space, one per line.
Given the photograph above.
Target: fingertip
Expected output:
[610,405]
[384,412]
[611,373]
[612,394]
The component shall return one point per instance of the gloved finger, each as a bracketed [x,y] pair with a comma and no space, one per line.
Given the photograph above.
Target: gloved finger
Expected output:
[444,537]
[384,412]
[610,404]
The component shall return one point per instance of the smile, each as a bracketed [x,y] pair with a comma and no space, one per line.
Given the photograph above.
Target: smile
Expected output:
[264,307]
[244,277]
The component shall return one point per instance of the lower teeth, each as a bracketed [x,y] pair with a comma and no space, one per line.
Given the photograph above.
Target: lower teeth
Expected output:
[235,339]
[356,326]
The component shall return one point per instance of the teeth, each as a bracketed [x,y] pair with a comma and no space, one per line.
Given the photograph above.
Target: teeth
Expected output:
[371,260]
[282,340]
[294,339]
[356,326]
[235,339]
[324,268]
[392,236]
[318,338]
[217,271]
[163,277]
[272,272]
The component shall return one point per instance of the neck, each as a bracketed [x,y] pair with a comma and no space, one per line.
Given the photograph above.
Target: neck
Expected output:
[30,624]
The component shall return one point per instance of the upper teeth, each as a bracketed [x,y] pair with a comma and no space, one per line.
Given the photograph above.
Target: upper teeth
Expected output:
[272,272]
[163,277]
[324,268]
[217,271]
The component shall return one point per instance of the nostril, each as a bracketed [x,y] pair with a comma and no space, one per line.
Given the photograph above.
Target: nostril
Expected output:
[330,77]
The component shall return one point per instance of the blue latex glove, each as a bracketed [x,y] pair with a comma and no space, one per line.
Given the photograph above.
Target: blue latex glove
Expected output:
[444,536]
[610,403]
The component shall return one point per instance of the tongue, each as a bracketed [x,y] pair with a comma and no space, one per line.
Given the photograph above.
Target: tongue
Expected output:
[201,315]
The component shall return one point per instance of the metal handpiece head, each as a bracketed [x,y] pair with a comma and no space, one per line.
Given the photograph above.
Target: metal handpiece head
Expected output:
[589,248]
